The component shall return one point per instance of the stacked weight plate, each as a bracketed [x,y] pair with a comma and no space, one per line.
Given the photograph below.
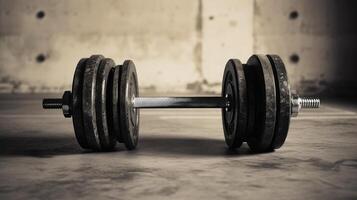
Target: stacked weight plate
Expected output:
[101,110]
[260,96]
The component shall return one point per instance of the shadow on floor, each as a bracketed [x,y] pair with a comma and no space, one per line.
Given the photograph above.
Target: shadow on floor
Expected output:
[38,146]
[175,145]
[49,146]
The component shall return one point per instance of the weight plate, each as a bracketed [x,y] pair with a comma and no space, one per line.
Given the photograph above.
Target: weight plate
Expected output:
[234,118]
[262,76]
[282,101]
[129,116]
[250,75]
[115,102]
[103,110]
[88,101]
[77,112]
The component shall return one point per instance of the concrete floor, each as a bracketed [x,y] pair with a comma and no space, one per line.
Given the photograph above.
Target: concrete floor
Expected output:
[181,155]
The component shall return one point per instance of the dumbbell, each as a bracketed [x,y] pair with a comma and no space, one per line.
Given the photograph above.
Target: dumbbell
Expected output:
[256,103]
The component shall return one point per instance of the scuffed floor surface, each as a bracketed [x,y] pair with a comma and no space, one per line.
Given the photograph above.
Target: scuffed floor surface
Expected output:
[181,155]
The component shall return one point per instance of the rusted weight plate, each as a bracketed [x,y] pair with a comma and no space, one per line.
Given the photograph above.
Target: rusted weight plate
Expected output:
[283,103]
[260,76]
[234,118]
[115,103]
[103,105]
[129,116]
[89,99]
[77,111]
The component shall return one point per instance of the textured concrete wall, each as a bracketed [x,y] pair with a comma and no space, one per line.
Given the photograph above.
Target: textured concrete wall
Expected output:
[170,41]
[160,36]
[178,45]
[317,39]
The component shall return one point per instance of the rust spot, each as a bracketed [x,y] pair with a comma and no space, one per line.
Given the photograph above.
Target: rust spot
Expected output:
[204,87]
[198,47]
[198,58]
[199,17]
[257,10]
[195,86]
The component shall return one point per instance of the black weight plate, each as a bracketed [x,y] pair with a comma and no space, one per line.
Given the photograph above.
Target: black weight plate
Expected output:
[129,116]
[250,78]
[264,110]
[89,99]
[115,102]
[102,105]
[234,118]
[283,101]
[77,112]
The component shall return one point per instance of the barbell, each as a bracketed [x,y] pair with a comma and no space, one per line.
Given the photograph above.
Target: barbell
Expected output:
[256,103]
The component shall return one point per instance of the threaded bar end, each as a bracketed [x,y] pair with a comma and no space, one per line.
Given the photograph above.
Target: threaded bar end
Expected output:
[52,103]
[309,102]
